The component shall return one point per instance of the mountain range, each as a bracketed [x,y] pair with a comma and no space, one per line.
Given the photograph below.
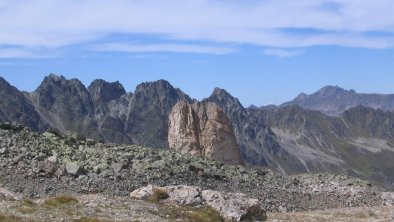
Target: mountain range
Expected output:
[333,130]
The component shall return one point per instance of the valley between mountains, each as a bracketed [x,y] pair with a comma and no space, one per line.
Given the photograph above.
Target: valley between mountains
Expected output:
[330,149]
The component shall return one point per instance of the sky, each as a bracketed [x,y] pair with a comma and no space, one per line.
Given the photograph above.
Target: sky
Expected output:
[261,51]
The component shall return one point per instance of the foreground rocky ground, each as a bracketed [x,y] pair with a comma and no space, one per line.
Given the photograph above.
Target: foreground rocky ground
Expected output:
[35,166]
[97,208]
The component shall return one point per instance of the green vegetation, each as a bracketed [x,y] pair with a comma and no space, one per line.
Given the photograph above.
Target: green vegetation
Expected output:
[28,203]
[88,219]
[6,218]
[60,201]
[188,213]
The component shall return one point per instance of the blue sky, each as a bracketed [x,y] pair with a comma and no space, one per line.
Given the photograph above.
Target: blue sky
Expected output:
[261,51]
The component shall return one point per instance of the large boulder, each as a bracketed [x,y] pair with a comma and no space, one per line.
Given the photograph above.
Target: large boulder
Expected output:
[203,129]
[230,206]
[234,207]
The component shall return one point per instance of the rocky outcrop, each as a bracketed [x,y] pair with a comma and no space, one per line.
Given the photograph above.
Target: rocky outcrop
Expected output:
[203,129]
[231,206]
[258,143]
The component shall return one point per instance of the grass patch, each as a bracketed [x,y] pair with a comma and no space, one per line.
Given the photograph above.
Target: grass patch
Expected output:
[60,201]
[28,203]
[88,219]
[188,213]
[28,206]
[365,215]
[27,210]
[6,218]
[158,195]
[204,214]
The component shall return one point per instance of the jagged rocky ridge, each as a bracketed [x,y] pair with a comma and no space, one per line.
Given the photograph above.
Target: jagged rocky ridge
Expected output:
[40,165]
[101,111]
[288,139]
[333,100]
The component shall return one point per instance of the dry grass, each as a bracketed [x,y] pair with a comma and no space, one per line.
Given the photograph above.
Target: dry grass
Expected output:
[204,214]
[88,219]
[6,218]
[60,201]
[158,195]
[188,213]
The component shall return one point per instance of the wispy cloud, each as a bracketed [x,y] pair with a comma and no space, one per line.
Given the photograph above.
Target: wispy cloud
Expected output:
[49,24]
[182,48]
[22,52]
[282,53]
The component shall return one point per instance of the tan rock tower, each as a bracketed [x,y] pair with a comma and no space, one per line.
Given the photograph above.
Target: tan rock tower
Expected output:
[203,129]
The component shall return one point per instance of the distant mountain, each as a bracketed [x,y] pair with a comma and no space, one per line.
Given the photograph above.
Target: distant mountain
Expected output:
[355,139]
[101,111]
[259,145]
[333,100]
[14,106]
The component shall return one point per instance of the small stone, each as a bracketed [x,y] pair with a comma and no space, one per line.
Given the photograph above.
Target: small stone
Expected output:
[3,151]
[117,167]
[52,159]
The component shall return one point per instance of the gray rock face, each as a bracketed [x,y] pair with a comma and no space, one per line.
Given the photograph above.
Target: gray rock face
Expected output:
[333,100]
[147,120]
[203,129]
[103,111]
[14,106]
[259,145]
[103,92]
[66,104]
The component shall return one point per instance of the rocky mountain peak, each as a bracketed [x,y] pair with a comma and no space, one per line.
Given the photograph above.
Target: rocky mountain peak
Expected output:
[225,101]
[331,90]
[66,103]
[203,129]
[301,97]
[159,90]
[102,91]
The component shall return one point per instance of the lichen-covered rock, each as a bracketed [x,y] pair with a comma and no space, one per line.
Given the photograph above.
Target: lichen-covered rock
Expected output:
[231,206]
[73,168]
[234,207]
[183,195]
[143,193]
[203,129]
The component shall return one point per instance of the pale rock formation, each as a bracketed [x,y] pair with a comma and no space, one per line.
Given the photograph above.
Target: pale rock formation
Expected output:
[230,206]
[203,129]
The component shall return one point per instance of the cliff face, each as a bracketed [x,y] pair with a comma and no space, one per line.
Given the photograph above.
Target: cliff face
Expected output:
[14,106]
[203,129]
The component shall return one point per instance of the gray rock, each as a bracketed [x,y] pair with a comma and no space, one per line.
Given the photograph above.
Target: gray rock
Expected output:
[234,207]
[3,150]
[47,167]
[143,193]
[74,169]
[117,167]
[183,195]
